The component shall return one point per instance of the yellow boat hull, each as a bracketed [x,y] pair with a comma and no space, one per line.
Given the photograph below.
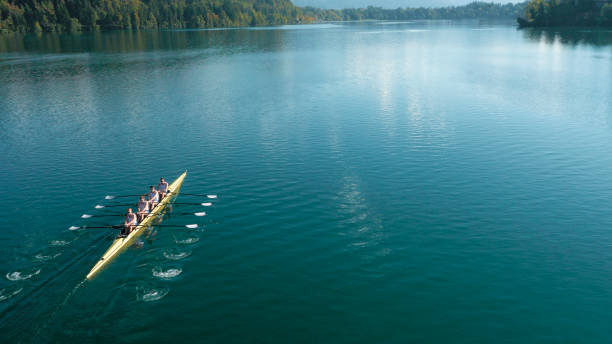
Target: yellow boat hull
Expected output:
[120,243]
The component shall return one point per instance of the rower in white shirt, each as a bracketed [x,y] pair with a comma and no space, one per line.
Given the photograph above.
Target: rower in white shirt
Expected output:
[162,188]
[130,223]
[152,197]
[143,208]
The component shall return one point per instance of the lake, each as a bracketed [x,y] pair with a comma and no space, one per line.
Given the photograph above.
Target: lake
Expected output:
[429,182]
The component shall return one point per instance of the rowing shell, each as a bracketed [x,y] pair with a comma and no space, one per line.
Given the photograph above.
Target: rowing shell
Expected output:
[121,243]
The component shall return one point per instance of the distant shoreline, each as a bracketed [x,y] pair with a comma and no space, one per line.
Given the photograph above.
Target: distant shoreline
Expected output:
[228,28]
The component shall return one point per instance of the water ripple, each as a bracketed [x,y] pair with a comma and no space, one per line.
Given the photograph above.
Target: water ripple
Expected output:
[176,254]
[22,275]
[149,294]
[187,241]
[169,273]
[7,293]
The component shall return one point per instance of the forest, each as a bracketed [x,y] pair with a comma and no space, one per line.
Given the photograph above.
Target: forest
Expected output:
[550,13]
[88,15]
[474,10]
[77,15]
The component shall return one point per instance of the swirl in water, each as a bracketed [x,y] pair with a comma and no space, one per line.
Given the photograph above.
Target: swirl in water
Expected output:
[20,276]
[187,241]
[41,257]
[167,274]
[6,294]
[174,254]
[148,294]
[59,242]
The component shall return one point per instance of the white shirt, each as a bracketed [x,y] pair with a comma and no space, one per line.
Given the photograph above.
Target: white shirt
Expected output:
[153,196]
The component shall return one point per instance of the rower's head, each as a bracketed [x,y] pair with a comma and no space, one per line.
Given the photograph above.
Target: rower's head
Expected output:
[162,180]
[142,198]
[152,188]
[129,210]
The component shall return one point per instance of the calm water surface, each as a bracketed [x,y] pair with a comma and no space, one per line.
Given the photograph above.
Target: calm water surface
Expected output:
[427,182]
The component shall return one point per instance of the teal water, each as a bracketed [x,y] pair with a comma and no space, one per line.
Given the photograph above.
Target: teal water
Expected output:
[427,182]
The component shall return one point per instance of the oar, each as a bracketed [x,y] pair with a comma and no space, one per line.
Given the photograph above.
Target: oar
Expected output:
[188,194]
[100,206]
[86,216]
[108,197]
[202,213]
[121,226]
[205,204]
[120,196]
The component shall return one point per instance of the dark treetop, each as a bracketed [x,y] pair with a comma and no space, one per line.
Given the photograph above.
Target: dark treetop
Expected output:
[567,13]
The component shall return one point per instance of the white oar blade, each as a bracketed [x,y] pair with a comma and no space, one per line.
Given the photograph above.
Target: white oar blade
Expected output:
[212,196]
[98,206]
[206,204]
[72,228]
[109,197]
[200,214]
[86,216]
[192,226]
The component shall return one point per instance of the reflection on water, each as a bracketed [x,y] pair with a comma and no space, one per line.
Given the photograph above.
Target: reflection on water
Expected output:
[141,41]
[373,180]
[51,55]
[596,37]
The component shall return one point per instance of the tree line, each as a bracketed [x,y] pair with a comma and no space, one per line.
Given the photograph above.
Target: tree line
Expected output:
[87,15]
[77,15]
[567,13]
[474,10]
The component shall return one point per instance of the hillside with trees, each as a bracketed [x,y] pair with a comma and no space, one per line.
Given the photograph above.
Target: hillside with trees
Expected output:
[392,4]
[549,13]
[474,10]
[77,15]
[89,15]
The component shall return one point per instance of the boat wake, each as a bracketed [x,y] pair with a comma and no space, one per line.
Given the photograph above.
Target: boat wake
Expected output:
[56,309]
[20,275]
[7,293]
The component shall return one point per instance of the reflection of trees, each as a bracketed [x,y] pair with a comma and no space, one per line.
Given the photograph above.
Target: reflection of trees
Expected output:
[596,37]
[143,41]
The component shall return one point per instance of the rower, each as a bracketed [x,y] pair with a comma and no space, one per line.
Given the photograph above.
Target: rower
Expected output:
[162,187]
[130,222]
[143,208]
[153,197]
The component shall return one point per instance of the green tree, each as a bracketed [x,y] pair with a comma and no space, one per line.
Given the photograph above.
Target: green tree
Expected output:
[74,25]
[606,14]
[564,13]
